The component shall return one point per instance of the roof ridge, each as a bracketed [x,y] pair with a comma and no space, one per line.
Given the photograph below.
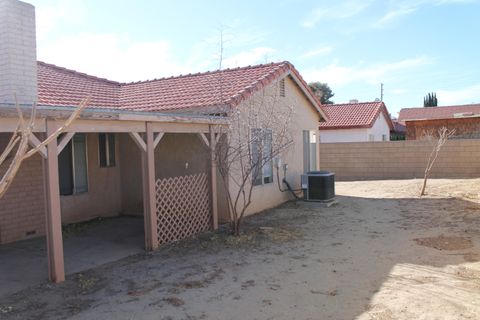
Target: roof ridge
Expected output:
[85,75]
[456,105]
[259,83]
[350,103]
[202,73]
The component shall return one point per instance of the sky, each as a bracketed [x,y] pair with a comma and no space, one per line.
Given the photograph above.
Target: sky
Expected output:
[413,47]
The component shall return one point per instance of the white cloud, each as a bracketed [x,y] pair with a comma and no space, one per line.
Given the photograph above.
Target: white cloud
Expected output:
[58,12]
[321,51]
[249,57]
[406,7]
[334,74]
[113,57]
[393,15]
[344,10]
[470,94]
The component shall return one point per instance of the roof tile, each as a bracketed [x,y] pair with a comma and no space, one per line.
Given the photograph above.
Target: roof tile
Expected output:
[354,115]
[63,87]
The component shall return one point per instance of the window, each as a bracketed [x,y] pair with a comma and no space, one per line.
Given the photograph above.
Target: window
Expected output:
[384,137]
[371,137]
[106,149]
[262,162]
[309,150]
[282,88]
[72,166]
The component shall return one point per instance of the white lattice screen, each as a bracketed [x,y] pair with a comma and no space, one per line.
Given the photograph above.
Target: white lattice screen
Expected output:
[183,207]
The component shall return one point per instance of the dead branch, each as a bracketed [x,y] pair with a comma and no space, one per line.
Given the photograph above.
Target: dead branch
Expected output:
[20,139]
[437,143]
[260,131]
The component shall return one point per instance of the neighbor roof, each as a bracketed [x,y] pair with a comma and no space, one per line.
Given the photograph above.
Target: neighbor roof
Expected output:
[431,113]
[354,115]
[63,87]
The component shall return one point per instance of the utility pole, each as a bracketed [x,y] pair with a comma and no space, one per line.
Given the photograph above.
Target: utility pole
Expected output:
[381,91]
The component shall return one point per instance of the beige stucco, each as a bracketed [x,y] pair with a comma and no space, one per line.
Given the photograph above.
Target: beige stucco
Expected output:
[177,154]
[103,196]
[304,117]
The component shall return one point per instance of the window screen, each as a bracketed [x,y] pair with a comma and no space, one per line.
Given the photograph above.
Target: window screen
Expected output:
[80,163]
[106,149]
[65,170]
[72,166]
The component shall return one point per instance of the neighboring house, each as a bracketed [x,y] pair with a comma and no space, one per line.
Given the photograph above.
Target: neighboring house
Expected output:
[356,122]
[138,148]
[399,130]
[420,122]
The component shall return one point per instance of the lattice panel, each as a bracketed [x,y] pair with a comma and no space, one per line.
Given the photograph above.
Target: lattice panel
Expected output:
[183,207]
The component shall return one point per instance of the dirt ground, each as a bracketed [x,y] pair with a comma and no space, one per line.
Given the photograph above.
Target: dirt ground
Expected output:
[380,253]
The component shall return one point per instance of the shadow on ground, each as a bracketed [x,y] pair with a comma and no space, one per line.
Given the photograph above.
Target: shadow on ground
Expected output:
[364,258]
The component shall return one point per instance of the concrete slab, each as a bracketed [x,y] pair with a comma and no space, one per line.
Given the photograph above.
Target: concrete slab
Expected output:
[24,263]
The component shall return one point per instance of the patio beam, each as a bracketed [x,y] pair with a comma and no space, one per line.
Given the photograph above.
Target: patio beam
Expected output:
[64,141]
[213,178]
[138,141]
[150,201]
[157,139]
[56,266]
[204,139]
[34,142]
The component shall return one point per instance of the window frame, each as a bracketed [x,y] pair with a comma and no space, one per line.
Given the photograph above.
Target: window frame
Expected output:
[74,187]
[106,146]
[263,179]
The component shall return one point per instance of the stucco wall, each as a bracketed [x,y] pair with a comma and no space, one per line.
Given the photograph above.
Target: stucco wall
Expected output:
[22,209]
[400,159]
[104,190]
[343,135]
[304,118]
[177,154]
[379,128]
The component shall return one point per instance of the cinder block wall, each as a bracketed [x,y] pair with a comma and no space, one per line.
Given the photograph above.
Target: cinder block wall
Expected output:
[400,159]
[22,209]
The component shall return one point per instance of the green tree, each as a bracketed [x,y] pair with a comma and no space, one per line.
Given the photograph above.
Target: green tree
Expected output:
[322,91]
[430,100]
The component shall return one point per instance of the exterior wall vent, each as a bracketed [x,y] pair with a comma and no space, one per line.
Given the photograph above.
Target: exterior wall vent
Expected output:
[282,88]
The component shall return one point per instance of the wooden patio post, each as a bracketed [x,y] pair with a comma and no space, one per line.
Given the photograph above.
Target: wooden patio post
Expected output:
[213,178]
[150,207]
[56,266]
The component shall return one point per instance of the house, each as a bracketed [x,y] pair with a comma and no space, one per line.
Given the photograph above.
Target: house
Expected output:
[141,148]
[356,122]
[464,119]
[399,130]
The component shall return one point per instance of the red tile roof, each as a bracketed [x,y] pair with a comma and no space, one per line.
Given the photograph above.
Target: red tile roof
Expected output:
[438,112]
[63,87]
[354,115]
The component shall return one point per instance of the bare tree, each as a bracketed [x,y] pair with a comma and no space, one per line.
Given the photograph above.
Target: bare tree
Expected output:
[259,132]
[437,143]
[20,140]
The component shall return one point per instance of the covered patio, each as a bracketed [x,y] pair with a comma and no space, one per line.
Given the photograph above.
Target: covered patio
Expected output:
[146,130]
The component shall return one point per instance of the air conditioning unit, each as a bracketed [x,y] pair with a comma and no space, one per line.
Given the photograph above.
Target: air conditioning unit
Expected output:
[318,186]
